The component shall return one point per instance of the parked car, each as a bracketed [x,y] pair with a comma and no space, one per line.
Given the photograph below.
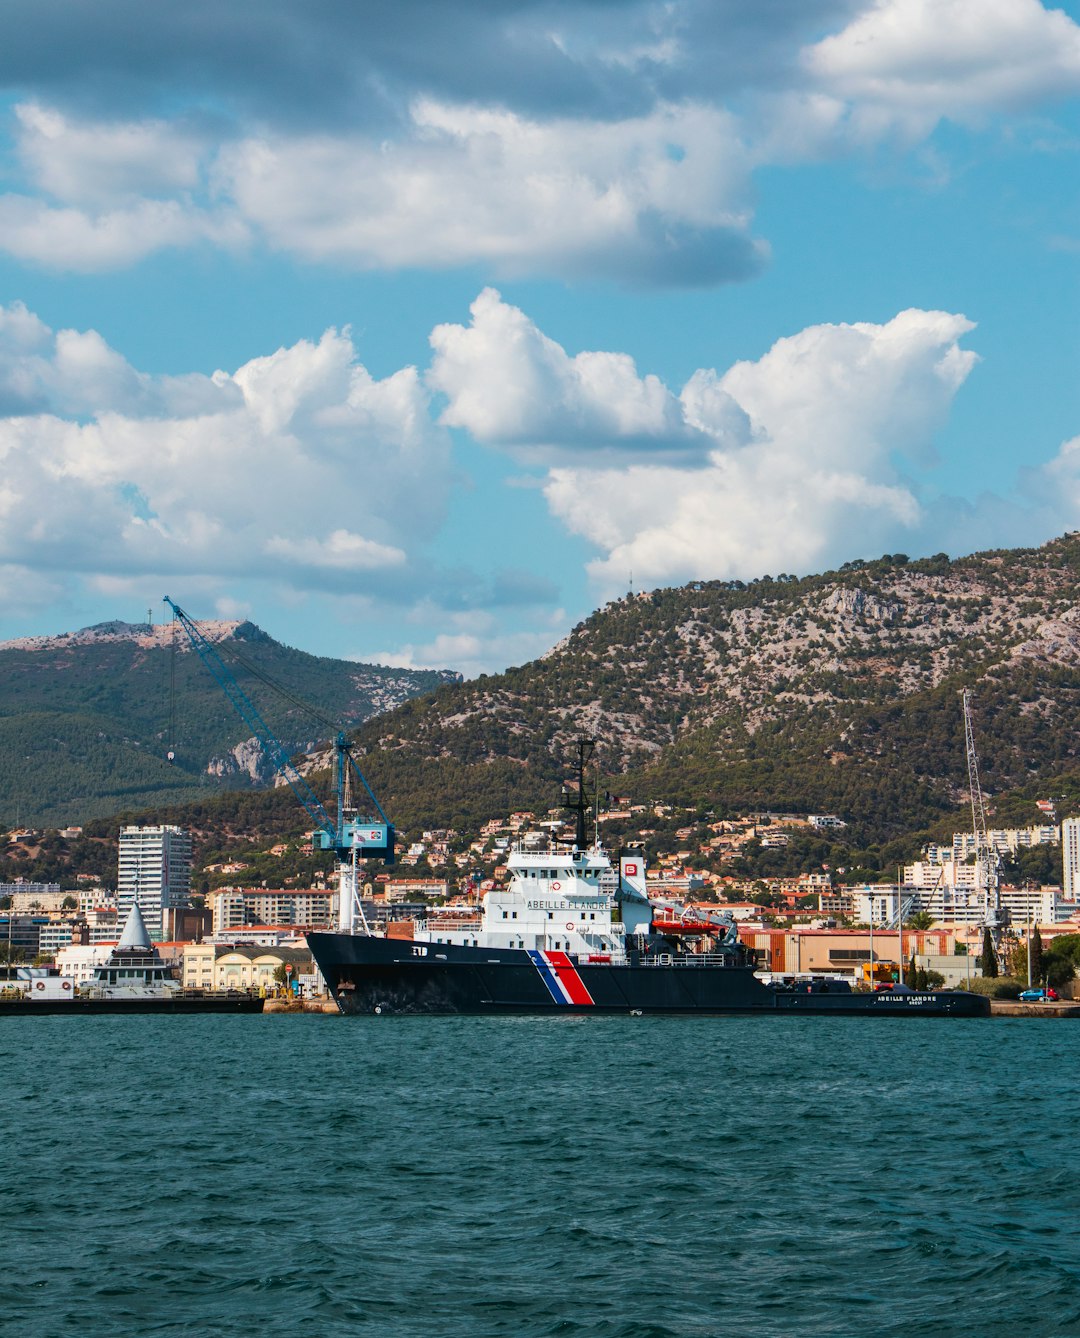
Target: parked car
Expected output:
[1038,996]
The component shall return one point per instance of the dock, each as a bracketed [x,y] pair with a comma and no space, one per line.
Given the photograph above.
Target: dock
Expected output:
[305,1006]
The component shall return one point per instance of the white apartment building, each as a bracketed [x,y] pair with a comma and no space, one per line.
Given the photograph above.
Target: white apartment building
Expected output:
[1005,840]
[53,936]
[1070,857]
[965,904]
[154,870]
[93,899]
[33,898]
[234,907]
[79,962]
[926,875]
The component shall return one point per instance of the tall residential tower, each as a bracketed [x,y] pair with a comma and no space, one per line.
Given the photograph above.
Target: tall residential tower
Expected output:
[155,871]
[1070,857]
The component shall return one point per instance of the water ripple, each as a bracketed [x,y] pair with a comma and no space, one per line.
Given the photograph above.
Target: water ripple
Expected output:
[213,1177]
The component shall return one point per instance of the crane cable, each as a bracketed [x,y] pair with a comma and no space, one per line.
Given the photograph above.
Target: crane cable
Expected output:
[170,752]
[285,693]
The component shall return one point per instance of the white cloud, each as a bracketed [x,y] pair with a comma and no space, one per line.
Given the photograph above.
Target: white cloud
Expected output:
[76,373]
[908,63]
[642,174]
[795,458]
[298,467]
[581,144]
[104,195]
[475,645]
[655,198]
[64,238]
[507,382]
[97,163]
[342,549]
[831,408]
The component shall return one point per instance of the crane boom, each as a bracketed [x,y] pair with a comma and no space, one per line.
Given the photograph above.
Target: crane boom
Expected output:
[258,726]
[352,835]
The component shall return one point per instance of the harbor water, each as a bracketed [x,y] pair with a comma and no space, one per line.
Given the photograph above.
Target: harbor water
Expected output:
[223,1177]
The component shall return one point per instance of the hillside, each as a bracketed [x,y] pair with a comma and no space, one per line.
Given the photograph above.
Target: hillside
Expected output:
[835,693]
[87,719]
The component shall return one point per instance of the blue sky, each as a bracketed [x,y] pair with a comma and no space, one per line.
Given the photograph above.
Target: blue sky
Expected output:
[412,331]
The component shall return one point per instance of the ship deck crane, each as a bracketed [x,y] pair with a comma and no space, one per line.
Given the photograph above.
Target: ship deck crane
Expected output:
[349,834]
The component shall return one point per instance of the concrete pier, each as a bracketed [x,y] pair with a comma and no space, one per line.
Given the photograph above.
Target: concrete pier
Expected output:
[1012,1008]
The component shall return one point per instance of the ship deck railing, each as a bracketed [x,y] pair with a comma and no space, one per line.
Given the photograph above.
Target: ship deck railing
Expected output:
[690,959]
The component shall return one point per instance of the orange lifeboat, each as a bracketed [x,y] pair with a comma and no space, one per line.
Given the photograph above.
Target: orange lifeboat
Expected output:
[687,927]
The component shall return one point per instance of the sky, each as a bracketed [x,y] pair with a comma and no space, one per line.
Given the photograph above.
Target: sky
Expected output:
[414,332]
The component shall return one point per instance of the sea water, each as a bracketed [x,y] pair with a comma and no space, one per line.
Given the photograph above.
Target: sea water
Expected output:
[603,1177]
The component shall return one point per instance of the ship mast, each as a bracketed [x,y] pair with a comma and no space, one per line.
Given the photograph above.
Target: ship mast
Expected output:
[987,875]
[578,804]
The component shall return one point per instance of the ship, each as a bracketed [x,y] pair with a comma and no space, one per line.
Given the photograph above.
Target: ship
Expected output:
[134,978]
[574,931]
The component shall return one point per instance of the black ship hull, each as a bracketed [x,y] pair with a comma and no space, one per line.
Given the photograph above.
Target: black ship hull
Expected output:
[375,975]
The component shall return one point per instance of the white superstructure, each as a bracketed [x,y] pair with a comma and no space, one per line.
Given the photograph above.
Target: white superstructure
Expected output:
[573,901]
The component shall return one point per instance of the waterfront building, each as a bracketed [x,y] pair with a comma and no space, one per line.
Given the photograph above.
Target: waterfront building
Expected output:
[21,934]
[79,962]
[230,966]
[154,872]
[841,952]
[234,907]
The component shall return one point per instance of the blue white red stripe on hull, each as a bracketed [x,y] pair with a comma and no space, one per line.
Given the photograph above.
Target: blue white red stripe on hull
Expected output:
[561,977]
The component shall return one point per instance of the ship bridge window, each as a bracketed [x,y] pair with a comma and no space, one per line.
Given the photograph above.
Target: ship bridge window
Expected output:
[551,915]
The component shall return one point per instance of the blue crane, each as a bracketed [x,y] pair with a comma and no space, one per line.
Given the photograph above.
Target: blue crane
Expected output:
[350,835]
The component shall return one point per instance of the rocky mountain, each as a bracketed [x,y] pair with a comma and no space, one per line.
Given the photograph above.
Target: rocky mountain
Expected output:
[835,693]
[88,719]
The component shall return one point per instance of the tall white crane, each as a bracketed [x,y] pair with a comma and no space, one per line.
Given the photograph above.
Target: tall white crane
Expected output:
[987,860]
